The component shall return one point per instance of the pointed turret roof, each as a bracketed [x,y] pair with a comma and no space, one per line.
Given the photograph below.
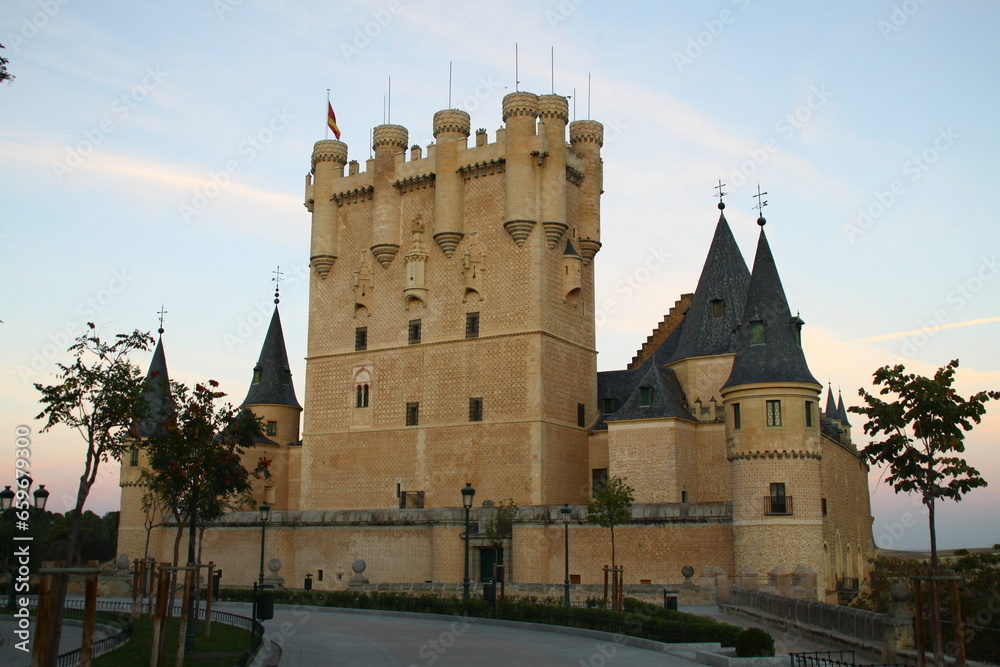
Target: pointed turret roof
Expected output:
[272,376]
[777,355]
[831,405]
[718,300]
[841,412]
[156,394]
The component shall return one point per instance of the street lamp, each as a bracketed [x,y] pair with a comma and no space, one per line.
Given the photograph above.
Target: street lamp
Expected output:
[467,495]
[41,497]
[566,511]
[6,498]
[265,513]
[6,501]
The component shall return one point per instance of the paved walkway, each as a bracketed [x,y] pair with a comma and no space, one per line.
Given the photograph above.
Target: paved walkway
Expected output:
[72,635]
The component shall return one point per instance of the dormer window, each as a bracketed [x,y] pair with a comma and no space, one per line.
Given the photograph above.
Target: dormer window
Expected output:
[286,377]
[256,376]
[718,307]
[610,405]
[796,324]
[757,332]
[645,397]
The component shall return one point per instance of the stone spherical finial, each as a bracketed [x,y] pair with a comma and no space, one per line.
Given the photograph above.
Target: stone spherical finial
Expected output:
[761,221]
[687,571]
[586,131]
[358,566]
[274,565]
[395,136]
[452,120]
[121,563]
[520,103]
[553,106]
[900,592]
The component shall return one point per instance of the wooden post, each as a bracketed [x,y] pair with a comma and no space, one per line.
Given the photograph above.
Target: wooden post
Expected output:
[605,603]
[956,610]
[182,633]
[89,621]
[935,609]
[160,618]
[138,574]
[918,605]
[42,650]
[208,598]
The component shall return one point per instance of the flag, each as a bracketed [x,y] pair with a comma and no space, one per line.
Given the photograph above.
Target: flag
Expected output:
[331,120]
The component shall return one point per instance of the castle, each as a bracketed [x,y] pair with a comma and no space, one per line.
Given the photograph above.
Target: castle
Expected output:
[452,340]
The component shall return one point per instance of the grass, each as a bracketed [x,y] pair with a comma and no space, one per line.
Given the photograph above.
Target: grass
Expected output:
[224,647]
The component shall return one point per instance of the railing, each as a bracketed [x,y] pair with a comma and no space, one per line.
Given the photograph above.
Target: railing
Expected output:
[777,504]
[831,659]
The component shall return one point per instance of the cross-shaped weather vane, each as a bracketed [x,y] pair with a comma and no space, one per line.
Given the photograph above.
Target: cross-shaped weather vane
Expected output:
[277,282]
[761,203]
[721,194]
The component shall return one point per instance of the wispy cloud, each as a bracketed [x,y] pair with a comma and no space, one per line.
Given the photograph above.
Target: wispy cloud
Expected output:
[912,332]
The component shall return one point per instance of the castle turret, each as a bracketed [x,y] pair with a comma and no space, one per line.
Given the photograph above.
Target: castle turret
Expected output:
[842,416]
[451,130]
[554,113]
[772,432]
[587,137]
[520,111]
[328,160]
[388,142]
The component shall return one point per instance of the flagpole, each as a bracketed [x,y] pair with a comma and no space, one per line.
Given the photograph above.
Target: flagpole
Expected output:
[327,136]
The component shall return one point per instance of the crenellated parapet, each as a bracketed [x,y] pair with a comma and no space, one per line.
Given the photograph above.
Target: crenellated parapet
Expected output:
[520,104]
[390,136]
[555,107]
[586,132]
[451,130]
[452,121]
[329,150]
[587,137]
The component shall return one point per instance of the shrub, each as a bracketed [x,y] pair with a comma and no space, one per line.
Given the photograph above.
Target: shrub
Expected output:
[754,643]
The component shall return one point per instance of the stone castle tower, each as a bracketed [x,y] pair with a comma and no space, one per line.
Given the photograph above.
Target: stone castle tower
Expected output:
[451,327]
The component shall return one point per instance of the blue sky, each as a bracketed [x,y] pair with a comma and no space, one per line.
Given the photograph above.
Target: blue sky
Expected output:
[156,153]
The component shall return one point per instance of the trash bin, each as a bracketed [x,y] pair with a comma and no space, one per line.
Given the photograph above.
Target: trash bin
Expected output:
[490,590]
[265,606]
[216,581]
[309,582]
[669,601]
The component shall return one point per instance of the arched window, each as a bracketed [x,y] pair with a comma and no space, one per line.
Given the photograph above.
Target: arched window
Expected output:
[362,388]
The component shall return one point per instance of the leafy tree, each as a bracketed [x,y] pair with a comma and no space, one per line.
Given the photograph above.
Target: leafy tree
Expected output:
[4,75]
[922,429]
[611,506]
[100,396]
[195,462]
[498,527]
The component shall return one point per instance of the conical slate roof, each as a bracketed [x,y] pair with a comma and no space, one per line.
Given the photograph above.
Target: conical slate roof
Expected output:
[841,412]
[831,405]
[156,393]
[777,355]
[718,300]
[272,377]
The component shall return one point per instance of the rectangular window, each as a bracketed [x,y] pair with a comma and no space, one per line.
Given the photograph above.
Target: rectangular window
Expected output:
[256,376]
[581,415]
[320,577]
[645,397]
[360,338]
[475,409]
[133,459]
[272,428]
[412,414]
[610,405]
[598,477]
[778,502]
[822,504]
[809,414]
[472,325]
[774,413]
[414,332]
[684,496]
[756,333]
[718,308]
[736,417]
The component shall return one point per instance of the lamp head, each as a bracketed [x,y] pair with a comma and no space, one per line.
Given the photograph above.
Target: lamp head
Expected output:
[565,510]
[41,497]
[265,512]
[6,498]
[467,494]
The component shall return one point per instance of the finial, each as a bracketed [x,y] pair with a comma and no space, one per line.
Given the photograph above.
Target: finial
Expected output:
[277,283]
[721,194]
[761,203]
[161,314]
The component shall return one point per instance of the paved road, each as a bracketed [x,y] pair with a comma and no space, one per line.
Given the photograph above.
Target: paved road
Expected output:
[314,637]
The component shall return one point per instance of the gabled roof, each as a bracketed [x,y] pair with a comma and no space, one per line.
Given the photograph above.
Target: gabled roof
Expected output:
[666,396]
[724,280]
[779,358]
[156,393]
[272,380]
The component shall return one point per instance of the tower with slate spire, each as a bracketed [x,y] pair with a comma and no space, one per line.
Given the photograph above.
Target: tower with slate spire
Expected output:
[773,432]
[272,399]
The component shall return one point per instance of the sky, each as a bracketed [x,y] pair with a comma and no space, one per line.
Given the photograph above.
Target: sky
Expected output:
[154,155]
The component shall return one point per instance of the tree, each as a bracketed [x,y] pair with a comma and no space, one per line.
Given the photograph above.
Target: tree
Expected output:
[101,397]
[922,429]
[499,527]
[195,462]
[611,506]
[4,75]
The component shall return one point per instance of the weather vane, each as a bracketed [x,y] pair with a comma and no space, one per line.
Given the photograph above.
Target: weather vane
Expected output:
[721,194]
[761,203]
[161,314]
[277,282]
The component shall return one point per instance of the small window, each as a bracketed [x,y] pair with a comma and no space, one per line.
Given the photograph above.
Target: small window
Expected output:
[778,502]
[822,504]
[610,405]
[809,414]
[737,423]
[645,397]
[472,325]
[581,415]
[684,496]
[360,339]
[475,409]
[133,458]
[362,396]
[256,376]
[414,332]
[718,307]
[774,413]
[320,573]
[286,376]
[797,324]
[598,477]
[757,333]
[272,428]
[412,414]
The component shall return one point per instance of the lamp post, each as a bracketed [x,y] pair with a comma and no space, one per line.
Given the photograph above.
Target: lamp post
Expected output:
[6,502]
[566,511]
[467,495]
[265,513]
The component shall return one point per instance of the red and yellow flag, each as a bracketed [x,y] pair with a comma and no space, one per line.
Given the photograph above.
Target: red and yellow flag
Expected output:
[331,120]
